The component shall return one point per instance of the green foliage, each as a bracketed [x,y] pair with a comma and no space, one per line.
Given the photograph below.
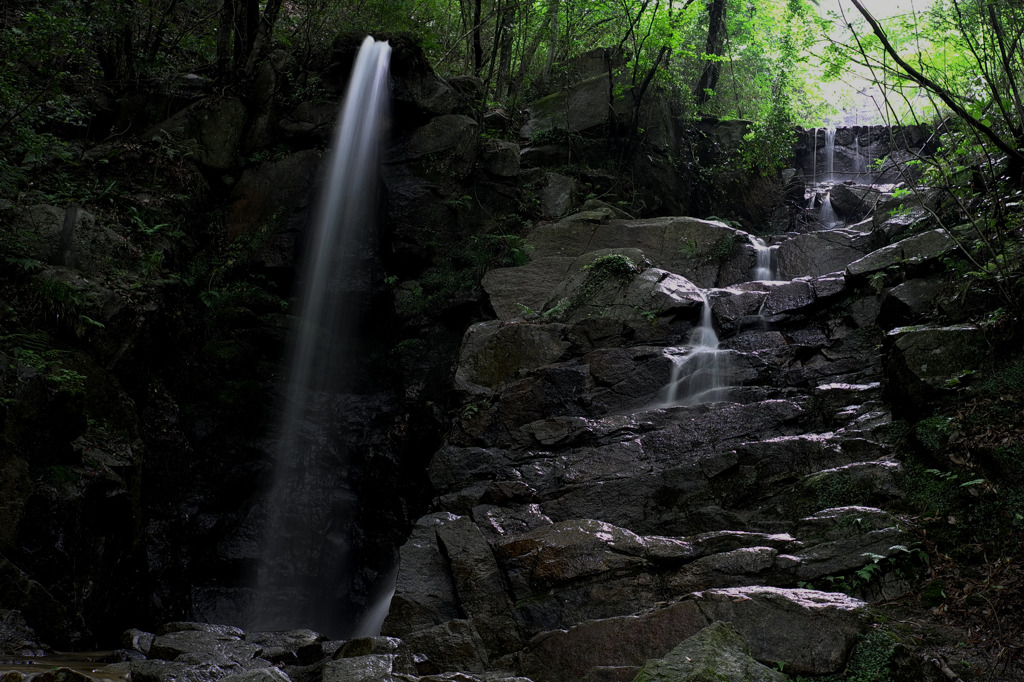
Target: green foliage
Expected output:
[36,350]
[903,563]
[768,147]
[613,266]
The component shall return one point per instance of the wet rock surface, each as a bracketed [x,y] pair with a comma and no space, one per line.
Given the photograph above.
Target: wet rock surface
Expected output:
[611,519]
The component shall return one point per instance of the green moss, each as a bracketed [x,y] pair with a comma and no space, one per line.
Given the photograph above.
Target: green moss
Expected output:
[613,266]
[871,657]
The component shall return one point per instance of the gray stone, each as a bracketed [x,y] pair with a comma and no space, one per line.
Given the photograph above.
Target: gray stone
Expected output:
[424,595]
[401,657]
[854,202]
[845,538]
[452,645]
[291,647]
[583,109]
[914,250]
[788,298]
[905,303]
[558,196]
[901,222]
[198,644]
[372,668]
[16,637]
[500,158]
[444,144]
[269,188]
[167,671]
[479,584]
[621,642]
[517,291]
[707,253]
[718,652]
[261,675]
[496,353]
[568,551]
[923,360]
[137,640]
[91,243]
[427,92]
[817,253]
[811,632]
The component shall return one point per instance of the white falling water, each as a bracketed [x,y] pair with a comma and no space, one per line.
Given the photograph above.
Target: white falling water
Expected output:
[306,551]
[826,214]
[766,269]
[830,149]
[814,158]
[699,375]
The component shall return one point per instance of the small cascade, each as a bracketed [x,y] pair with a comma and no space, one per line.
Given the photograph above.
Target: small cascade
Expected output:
[767,266]
[814,158]
[826,214]
[307,559]
[698,376]
[830,152]
[858,163]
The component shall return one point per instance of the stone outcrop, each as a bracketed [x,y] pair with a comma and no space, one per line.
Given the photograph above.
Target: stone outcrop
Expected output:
[620,520]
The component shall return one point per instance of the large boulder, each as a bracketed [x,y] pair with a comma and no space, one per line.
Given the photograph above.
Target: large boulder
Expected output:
[921,362]
[582,109]
[811,632]
[494,353]
[623,643]
[706,252]
[909,301]
[819,253]
[854,202]
[905,254]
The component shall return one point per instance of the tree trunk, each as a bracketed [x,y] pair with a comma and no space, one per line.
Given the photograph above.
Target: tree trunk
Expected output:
[264,33]
[552,40]
[478,46]
[224,33]
[714,47]
[507,22]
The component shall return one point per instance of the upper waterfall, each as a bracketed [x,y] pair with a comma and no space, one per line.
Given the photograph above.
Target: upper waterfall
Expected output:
[310,509]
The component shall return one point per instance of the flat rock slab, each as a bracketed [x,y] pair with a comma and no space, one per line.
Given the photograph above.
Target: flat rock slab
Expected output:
[515,291]
[706,252]
[810,631]
[624,641]
[923,360]
[818,253]
[914,250]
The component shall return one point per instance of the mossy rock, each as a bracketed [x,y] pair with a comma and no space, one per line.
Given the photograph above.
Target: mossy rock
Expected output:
[718,653]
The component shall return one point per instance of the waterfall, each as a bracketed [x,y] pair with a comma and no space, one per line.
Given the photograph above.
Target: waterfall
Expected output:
[767,260]
[306,563]
[698,376]
[826,215]
[830,148]
[814,158]
[858,164]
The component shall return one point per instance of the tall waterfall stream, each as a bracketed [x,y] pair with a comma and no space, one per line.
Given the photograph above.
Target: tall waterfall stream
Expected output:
[306,552]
